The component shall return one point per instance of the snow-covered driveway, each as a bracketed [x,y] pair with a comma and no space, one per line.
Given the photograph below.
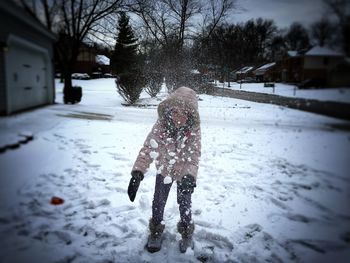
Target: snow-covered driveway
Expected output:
[273,184]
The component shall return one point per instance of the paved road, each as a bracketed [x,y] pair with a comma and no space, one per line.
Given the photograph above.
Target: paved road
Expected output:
[328,108]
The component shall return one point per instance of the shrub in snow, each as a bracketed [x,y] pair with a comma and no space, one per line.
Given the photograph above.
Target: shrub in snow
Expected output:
[154,83]
[177,80]
[206,88]
[130,85]
[183,79]
[73,95]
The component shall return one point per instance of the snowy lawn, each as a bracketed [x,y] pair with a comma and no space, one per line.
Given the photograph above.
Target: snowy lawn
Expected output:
[288,90]
[273,184]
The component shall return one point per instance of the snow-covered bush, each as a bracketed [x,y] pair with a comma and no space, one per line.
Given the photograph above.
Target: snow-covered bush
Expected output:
[177,80]
[206,88]
[130,85]
[154,84]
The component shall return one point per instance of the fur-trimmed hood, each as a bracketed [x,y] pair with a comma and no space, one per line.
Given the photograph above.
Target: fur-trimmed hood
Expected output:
[175,156]
[182,97]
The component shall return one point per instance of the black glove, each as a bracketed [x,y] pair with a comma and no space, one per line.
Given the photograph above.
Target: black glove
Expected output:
[187,184]
[136,178]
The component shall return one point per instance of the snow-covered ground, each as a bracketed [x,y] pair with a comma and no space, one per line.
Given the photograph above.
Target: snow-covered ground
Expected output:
[273,184]
[288,90]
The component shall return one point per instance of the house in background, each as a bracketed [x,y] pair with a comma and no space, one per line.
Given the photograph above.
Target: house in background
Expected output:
[245,73]
[319,66]
[104,63]
[339,76]
[290,67]
[266,72]
[90,62]
[26,61]
[318,63]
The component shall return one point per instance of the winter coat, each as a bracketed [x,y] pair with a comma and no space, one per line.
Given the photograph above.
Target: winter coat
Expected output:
[175,154]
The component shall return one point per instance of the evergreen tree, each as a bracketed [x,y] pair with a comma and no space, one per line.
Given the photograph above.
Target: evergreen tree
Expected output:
[124,56]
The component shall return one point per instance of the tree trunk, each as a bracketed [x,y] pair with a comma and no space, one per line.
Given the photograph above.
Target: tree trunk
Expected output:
[68,87]
[68,57]
[67,79]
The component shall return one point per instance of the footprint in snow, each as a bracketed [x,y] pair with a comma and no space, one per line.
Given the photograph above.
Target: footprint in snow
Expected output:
[299,218]
[315,204]
[320,246]
[93,205]
[244,234]
[54,237]
[217,240]
[279,204]
[124,208]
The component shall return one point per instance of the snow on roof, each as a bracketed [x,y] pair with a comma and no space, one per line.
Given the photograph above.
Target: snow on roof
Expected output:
[261,70]
[244,70]
[195,71]
[292,53]
[322,51]
[101,59]
[266,66]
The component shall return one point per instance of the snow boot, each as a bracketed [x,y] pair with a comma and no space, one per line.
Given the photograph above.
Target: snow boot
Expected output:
[154,242]
[186,232]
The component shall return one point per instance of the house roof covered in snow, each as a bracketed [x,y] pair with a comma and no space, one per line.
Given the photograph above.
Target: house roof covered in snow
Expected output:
[244,70]
[102,60]
[264,68]
[195,71]
[292,53]
[323,51]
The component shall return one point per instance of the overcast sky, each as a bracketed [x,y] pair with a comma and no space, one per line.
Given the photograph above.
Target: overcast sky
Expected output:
[284,12]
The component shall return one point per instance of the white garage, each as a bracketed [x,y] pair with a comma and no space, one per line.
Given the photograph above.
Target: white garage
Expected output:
[26,53]
[28,75]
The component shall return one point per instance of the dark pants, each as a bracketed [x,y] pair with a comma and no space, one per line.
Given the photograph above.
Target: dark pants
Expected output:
[160,197]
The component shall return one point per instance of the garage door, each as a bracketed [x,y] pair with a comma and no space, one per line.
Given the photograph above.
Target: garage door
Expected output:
[27,82]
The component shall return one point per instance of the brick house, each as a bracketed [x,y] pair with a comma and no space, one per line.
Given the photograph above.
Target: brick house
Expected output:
[317,64]
[244,73]
[89,61]
[266,72]
[290,67]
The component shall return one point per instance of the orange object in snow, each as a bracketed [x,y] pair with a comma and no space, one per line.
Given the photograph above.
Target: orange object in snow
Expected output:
[56,200]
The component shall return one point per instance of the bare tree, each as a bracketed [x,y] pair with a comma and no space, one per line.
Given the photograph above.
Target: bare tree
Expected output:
[215,12]
[176,19]
[322,31]
[341,8]
[173,24]
[297,37]
[182,11]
